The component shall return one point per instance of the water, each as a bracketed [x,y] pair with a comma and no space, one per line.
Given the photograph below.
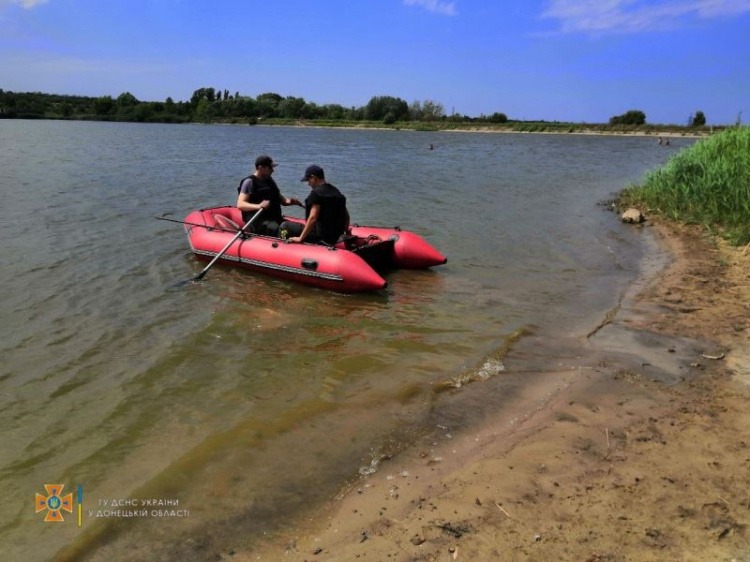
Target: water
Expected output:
[243,399]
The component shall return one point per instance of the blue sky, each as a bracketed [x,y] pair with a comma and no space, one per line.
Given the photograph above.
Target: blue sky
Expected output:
[566,60]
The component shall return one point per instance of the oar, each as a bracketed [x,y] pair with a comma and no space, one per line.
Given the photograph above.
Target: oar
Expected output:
[197,224]
[216,258]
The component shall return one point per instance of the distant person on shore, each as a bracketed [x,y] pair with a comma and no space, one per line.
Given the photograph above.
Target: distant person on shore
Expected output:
[259,191]
[327,217]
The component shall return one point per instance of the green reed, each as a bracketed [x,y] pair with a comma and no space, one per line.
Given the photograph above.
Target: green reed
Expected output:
[707,183]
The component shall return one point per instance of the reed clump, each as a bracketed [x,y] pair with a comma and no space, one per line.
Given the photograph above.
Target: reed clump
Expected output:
[707,183]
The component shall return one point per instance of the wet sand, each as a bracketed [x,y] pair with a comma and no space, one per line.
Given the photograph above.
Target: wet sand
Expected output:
[633,443]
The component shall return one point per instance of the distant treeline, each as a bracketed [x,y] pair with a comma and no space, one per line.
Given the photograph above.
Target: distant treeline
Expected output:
[210,105]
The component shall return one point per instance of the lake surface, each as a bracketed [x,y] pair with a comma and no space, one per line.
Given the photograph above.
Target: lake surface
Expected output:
[239,402]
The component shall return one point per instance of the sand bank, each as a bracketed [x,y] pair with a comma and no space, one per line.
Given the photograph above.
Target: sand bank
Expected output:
[655,133]
[636,446]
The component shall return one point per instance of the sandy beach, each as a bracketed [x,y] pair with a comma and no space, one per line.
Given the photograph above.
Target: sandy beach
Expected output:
[637,446]
[655,133]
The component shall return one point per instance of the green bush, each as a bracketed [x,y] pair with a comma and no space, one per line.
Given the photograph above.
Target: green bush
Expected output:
[632,117]
[698,120]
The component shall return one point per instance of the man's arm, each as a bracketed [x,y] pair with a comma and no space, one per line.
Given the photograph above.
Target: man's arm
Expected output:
[243,201]
[309,225]
[286,201]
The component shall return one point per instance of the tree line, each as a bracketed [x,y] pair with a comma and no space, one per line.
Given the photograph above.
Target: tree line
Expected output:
[215,105]
[208,105]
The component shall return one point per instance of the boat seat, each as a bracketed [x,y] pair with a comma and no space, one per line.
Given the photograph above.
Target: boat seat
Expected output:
[225,222]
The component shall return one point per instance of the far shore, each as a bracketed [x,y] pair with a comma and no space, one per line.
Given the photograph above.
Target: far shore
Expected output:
[538,128]
[670,134]
[497,130]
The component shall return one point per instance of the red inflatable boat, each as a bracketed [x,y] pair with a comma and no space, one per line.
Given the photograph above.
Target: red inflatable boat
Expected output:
[351,266]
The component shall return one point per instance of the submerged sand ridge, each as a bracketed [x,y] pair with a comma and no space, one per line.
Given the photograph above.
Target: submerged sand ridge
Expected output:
[631,443]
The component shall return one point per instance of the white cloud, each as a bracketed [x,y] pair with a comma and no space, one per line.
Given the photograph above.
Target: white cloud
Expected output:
[437,6]
[632,16]
[28,4]
[715,8]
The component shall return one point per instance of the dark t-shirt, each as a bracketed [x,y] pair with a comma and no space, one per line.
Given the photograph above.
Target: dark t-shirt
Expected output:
[332,216]
[262,189]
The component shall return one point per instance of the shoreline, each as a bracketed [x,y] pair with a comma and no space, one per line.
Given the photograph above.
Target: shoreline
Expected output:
[467,129]
[494,130]
[635,447]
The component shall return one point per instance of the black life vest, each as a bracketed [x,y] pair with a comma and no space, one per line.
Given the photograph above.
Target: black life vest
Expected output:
[262,190]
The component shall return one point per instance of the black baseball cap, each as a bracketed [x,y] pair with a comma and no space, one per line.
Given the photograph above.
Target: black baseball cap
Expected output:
[313,170]
[264,160]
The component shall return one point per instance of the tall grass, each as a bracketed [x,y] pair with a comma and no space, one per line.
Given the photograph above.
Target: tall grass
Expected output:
[707,183]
